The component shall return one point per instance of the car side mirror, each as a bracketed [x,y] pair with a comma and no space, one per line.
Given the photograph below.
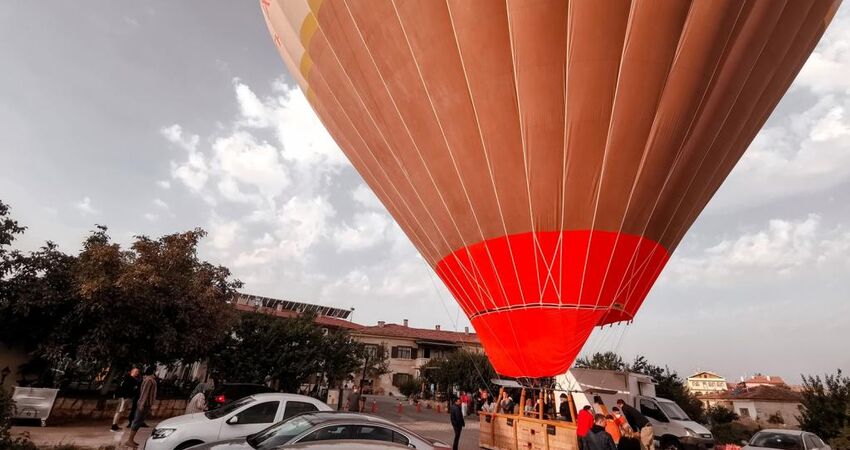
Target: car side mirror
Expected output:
[233,420]
[744,442]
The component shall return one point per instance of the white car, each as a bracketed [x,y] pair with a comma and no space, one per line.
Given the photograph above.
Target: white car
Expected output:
[785,440]
[235,420]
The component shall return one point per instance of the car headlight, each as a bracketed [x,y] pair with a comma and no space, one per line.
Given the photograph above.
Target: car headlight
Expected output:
[691,432]
[159,433]
[706,435]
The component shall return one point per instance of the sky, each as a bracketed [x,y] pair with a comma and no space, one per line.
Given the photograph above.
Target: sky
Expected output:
[157,117]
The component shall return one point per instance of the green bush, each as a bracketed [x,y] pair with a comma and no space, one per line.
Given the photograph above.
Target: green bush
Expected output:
[409,387]
[733,432]
[719,414]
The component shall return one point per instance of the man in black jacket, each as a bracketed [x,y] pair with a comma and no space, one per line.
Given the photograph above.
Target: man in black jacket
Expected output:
[597,438]
[639,423]
[456,416]
[127,394]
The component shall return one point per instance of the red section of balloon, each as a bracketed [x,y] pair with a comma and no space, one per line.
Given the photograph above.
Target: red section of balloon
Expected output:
[550,289]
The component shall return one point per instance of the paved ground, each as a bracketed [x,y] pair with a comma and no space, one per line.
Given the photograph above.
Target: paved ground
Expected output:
[95,435]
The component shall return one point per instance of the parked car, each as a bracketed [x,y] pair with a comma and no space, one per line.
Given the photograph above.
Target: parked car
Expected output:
[229,392]
[236,419]
[329,427]
[347,444]
[785,440]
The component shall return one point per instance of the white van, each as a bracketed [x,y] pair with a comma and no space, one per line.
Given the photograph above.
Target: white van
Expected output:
[673,429]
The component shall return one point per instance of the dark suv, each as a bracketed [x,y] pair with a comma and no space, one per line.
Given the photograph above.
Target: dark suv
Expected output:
[229,392]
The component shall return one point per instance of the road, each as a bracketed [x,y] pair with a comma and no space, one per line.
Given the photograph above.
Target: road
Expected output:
[427,423]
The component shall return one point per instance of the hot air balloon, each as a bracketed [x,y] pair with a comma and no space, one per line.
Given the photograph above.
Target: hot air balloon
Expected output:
[545,157]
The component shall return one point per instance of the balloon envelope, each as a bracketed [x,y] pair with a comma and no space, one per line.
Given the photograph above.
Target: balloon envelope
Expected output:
[545,157]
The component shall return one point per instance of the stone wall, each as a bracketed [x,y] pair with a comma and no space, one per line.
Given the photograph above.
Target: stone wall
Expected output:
[66,409]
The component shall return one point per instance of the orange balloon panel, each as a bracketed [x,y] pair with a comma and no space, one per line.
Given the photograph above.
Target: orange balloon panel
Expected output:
[545,157]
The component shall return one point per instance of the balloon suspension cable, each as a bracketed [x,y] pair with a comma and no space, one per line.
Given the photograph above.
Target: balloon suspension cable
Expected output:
[485,382]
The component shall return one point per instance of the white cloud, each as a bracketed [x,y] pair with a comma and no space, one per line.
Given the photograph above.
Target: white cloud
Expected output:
[164,184]
[223,234]
[194,171]
[367,230]
[243,163]
[365,197]
[827,68]
[86,207]
[151,217]
[160,203]
[784,247]
[802,153]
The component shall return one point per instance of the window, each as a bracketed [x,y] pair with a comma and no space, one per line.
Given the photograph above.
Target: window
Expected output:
[810,442]
[260,413]
[744,412]
[426,352]
[782,441]
[280,433]
[401,378]
[371,350]
[374,433]
[294,408]
[649,409]
[330,433]
[405,353]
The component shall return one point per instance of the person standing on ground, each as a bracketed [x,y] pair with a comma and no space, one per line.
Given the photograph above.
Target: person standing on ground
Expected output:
[147,395]
[584,422]
[354,400]
[456,416]
[464,403]
[639,423]
[127,394]
[597,438]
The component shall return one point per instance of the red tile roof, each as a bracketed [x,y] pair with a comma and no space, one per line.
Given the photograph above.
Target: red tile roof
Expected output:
[425,334]
[765,379]
[320,320]
[756,393]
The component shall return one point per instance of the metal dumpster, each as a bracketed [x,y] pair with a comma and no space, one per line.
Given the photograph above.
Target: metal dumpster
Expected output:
[33,403]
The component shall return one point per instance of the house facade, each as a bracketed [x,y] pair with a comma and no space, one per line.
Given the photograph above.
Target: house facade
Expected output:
[409,349]
[706,382]
[769,406]
[763,380]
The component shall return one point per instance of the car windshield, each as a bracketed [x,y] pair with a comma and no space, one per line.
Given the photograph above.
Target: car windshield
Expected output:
[673,412]
[281,432]
[783,441]
[228,408]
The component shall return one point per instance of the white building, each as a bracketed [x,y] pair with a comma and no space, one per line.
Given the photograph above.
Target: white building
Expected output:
[706,382]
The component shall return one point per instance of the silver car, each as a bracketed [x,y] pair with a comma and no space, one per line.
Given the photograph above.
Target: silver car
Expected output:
[327,427]
[785,440]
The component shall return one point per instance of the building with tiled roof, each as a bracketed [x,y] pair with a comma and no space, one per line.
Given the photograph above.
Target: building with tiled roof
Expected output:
[763,380]
[759,403]
[706,382]
[410,348]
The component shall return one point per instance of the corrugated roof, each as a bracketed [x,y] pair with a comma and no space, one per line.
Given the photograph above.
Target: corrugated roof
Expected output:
[401,331]
[320,320]
[756,393]
[765,379]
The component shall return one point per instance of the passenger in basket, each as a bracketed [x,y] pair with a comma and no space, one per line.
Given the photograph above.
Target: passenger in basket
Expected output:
[597,438]
[564,409]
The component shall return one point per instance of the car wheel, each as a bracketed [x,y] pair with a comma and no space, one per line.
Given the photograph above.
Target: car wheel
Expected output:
[671,444]
[188,444]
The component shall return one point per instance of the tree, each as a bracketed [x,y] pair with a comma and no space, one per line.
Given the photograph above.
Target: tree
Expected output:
[719,414]
[341,356]
[466,370]
[108,307]
[825,403]
[602,361]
